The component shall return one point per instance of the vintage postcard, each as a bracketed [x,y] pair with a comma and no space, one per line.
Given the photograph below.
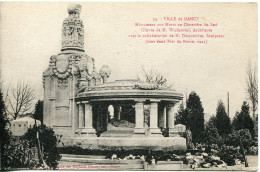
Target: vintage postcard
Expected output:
[129,85]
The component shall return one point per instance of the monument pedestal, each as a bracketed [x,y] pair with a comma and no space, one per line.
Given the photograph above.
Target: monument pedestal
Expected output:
[155,132]
[139,132]
[133,143]
[89,132]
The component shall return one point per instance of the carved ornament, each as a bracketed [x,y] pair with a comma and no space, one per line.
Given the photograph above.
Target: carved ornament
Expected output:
[61,66]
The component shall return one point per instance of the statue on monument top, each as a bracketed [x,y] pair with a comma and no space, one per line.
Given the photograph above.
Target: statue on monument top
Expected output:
[74,9]
[73,30]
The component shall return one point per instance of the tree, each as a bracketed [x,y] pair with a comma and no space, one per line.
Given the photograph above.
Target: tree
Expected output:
[38,113]
[196,114]
[252,90]
[222,120]
[243,120]
[211,135]
[182,117]
[4,133]
[212,122]
[20,99]
[155,77]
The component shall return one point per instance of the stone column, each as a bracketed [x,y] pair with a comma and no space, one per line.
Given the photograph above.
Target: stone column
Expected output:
[81,115]
[139,118]
[172,130]
[154,130]
[164,117]
[117,112]
[88,128]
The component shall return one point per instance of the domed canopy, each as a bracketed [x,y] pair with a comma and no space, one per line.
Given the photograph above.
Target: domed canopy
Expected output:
[128,90]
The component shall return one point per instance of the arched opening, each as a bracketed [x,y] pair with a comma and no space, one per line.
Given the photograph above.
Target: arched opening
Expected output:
[114,118]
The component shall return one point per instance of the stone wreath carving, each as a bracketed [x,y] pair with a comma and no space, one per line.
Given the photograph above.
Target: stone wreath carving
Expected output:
[61,66]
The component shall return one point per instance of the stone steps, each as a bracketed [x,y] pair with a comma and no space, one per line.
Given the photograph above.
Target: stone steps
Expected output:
[101,163]
[83,156]
[81,166]
[115,135]
[119,133]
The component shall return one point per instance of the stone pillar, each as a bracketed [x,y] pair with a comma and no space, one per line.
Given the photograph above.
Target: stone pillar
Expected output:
[81,115]
[139,118]
[88,128]
[154,130]
[164,117]
[173,132]
[117,112]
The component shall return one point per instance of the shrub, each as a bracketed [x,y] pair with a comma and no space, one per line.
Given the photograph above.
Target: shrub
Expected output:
[253,150]
[245,136]
[49,141]
[20,155]
[211,136]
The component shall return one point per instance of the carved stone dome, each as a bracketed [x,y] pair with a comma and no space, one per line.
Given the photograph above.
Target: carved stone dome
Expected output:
[129,89]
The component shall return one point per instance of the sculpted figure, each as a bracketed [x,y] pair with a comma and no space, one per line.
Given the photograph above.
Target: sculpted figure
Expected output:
[82,66]
[105,72]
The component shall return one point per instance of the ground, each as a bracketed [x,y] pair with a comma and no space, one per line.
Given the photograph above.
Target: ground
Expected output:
[252,161]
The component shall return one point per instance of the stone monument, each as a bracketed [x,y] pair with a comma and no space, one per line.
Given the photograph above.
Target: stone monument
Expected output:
[67,72]
[77,101]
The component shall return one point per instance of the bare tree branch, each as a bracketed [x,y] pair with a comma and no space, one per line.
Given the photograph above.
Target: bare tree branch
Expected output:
[153,76]
[252,89]
[20,99]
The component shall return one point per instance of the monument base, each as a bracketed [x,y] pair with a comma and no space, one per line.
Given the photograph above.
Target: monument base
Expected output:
[155,132]
[139,132]
[173,132]
[87,132]
[164,143]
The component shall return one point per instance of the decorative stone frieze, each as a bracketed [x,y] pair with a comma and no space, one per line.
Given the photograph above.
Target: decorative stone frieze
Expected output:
[62,83]
[73,30]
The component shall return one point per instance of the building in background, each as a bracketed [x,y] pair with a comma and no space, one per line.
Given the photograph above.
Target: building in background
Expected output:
[21,125]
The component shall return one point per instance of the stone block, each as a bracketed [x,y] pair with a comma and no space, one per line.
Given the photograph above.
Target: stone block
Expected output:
[173,132]
[139,132]
[166,165]
[155,132]
[88,132]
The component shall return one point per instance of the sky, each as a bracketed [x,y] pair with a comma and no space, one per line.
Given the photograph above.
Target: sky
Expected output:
[30,33]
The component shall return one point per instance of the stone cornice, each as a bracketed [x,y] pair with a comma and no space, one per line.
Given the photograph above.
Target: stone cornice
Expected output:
[147,94]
